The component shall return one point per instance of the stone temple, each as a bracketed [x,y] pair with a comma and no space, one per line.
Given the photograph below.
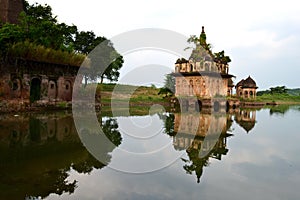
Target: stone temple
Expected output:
[246,88]
[202,77]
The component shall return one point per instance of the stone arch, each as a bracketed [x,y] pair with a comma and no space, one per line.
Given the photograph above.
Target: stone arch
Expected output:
[191,68]
[16,84]
[68,90]
[35,89]
[51,128]
[251,93]
[52,89]
[16,87]
[206,66]
[246,94]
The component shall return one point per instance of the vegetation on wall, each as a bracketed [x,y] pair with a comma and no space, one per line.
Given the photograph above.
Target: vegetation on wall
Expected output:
[33,51]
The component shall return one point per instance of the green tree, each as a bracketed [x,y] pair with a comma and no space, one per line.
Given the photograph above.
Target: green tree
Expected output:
[169,87]
[40,26]
[9,34]
[221,58]
[170,82]
[104,61]
[110,129]
[278,90]
[86,41]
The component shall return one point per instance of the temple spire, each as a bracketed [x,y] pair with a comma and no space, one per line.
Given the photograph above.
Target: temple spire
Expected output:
[203,38]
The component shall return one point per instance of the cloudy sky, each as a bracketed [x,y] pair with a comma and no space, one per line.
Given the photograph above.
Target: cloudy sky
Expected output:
[261,37]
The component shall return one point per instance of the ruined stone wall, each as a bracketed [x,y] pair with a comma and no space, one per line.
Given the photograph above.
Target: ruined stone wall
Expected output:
[52,82]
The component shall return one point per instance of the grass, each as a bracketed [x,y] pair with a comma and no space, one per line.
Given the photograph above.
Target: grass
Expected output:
[278,98]
[138,95]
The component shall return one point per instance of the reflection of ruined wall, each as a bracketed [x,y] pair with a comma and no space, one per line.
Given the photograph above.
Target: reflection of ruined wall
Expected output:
[23,130]
[201,86]
[37,151]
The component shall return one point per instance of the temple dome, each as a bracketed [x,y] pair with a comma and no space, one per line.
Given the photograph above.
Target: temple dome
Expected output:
[249,83]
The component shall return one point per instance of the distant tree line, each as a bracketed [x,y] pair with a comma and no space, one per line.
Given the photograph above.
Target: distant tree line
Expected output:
[39,36]
[274,90]
[279,90]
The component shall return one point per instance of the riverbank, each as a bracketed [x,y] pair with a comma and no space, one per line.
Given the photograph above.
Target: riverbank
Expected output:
[136,97]
[20,106]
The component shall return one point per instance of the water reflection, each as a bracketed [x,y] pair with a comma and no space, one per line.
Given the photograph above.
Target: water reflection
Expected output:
[246,119]
[38,151]
[202,136]
[279,110]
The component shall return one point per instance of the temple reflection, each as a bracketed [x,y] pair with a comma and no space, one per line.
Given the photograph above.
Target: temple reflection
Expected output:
[246,119]
[37,152]
[202,136]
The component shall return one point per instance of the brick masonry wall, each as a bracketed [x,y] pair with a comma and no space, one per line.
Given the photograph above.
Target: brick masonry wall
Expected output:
[10,10]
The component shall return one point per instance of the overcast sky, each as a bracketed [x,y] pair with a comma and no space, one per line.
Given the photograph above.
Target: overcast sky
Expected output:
[262,37]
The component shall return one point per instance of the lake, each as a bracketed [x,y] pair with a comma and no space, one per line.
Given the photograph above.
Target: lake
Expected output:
[241,154]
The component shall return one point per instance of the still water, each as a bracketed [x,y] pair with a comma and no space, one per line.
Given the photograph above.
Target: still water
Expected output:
[254,155]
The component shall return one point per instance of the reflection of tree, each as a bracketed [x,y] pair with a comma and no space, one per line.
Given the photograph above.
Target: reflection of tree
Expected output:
[281,109]
[110,129]
[38,151]
[87,165]
[169,123]
[195,164]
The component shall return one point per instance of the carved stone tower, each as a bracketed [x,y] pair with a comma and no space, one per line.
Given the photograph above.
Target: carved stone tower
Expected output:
[10,10]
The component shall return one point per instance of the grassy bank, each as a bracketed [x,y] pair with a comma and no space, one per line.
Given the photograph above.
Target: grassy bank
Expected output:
[140,98]
[279,98]
[137,95]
